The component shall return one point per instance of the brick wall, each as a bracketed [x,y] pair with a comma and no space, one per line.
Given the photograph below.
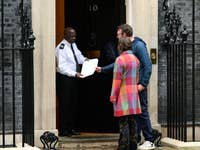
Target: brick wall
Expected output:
[184,9]
[11,26]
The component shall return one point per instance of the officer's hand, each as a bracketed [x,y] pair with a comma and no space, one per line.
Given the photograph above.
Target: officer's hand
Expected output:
[79,75]
[86,59]
[98,69]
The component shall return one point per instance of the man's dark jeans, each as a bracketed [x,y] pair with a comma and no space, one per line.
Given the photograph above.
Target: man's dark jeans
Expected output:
[143,120]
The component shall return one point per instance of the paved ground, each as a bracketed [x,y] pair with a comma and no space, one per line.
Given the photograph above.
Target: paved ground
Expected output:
[164,148]
[111,148]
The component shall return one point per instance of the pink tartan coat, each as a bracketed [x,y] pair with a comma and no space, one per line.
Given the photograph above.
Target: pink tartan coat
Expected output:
[124,93]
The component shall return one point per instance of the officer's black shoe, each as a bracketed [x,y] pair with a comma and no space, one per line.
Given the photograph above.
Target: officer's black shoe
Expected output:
[65,133]
[73,132]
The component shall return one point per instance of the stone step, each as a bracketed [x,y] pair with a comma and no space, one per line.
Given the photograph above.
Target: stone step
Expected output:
[89,141]
[93,141]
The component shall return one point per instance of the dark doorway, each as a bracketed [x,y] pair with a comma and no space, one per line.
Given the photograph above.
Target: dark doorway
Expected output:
[95,22]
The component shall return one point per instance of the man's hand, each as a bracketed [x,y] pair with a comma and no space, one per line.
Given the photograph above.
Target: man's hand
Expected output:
[140,87]
[98,69]
[78,75]
[113,101]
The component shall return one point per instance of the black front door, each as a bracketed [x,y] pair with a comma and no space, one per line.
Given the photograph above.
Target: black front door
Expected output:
[95,22]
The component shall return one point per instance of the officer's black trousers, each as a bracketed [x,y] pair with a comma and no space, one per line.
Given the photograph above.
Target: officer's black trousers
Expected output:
[67,92]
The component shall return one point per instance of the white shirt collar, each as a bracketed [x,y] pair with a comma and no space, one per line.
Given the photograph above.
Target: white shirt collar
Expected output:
[66,42]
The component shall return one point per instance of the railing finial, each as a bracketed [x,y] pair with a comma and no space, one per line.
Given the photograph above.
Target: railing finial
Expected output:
[172,25]
[49,140]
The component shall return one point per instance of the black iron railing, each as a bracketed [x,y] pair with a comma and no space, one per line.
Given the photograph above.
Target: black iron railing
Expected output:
[182,74]
[27,96]
[16,81]
[181,89]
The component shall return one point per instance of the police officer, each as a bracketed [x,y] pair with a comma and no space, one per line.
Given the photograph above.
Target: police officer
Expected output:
[68,58]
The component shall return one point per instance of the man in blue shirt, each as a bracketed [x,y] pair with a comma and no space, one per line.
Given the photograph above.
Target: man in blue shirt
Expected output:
[140,50]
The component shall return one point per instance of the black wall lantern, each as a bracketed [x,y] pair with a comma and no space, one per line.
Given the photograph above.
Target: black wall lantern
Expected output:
[172,25]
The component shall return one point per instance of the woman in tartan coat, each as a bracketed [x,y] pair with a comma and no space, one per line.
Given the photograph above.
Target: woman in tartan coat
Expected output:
[124,94]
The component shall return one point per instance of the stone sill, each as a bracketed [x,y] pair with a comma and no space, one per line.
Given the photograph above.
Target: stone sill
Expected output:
[19,147]
[180,145]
